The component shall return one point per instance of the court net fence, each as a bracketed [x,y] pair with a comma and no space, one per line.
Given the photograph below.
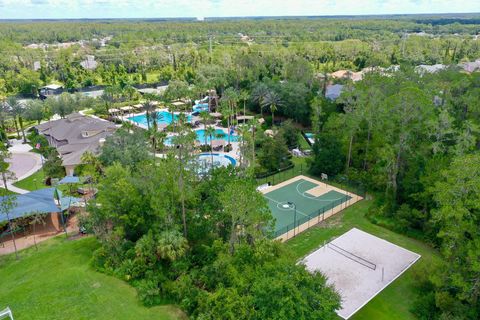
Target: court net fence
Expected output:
[289,172]
[352,256]
[313,218]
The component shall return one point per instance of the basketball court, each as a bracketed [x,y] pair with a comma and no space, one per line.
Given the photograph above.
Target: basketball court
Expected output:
[301,202]
[359,266]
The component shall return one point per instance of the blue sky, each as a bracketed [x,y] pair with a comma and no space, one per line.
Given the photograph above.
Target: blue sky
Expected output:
[31,9]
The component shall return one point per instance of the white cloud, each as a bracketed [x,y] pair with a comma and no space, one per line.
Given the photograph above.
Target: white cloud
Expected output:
[216,8]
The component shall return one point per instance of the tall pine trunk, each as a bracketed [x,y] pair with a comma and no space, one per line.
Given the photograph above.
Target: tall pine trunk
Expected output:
[349,155]
[12,233]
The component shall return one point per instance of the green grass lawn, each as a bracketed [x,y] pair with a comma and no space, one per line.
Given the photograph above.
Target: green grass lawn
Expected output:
[302,143]
[33,182]
[396,300]
[4,192]
[57,282]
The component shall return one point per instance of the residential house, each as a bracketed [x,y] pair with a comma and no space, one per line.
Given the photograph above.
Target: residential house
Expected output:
[75,135]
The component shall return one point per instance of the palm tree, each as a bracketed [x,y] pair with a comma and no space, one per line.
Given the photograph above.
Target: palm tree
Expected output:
[92,167]
[243,131]
[230,96]
[272,100]
[128,126]
[171,245]
[259,94]
[108,96]
[254,127]
[210,131]
[38,217]
[244,96]
[3,119]
[153,133]
[205,116]
[172,109]
[227,113]
[17,109]
[149,107]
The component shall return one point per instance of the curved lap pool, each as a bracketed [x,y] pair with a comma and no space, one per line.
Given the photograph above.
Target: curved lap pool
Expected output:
[204,161]
[163,117]
[218,135]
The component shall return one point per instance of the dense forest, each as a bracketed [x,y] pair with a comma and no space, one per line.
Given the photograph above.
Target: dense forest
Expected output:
[131,52]
[411,140]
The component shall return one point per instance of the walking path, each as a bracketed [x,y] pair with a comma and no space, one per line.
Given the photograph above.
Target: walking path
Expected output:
[23,163]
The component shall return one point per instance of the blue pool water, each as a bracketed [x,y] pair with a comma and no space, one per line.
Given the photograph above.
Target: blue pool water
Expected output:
[204,162]
[163,117]
[218,159]
[219,135]
[309,135]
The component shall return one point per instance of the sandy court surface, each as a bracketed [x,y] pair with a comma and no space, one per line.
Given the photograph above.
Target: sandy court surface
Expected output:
[360,266]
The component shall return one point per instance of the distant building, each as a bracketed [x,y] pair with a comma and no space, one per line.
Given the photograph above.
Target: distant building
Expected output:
[75,135]
[36,66]
[89,63]
[470,66]
[424,68]
[50,90]
[347,74]
[333,91]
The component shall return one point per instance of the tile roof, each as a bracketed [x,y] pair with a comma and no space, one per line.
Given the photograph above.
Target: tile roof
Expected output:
[80,134]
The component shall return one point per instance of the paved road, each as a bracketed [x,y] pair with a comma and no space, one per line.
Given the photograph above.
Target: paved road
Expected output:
[22,163]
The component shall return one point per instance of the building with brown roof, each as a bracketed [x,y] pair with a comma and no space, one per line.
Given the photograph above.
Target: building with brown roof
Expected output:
[75,135]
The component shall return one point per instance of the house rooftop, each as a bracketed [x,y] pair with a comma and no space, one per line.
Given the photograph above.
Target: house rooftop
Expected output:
[76,134]
[52,86]
[333,91]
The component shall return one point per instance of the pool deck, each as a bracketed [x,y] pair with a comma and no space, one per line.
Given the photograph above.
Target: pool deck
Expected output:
[235,153]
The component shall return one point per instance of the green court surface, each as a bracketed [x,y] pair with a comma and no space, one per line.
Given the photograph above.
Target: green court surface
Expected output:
[308,206]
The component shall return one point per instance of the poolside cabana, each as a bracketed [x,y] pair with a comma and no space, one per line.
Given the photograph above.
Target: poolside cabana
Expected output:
[217,115]
[161,126]
[218,145]
[245,118]
[127,108]
[114,111]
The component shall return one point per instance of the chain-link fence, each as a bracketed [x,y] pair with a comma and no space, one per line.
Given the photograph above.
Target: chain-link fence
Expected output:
[313,218]
[284,174]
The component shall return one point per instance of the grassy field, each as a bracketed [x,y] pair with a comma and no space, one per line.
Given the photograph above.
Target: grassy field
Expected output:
[302,143]
[396,300]
[4,192]
[33,182]
[57,282]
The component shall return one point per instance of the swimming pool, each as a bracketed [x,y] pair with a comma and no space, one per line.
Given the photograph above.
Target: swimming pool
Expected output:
[311,137]
[204,161]
[219,135]
[163,117]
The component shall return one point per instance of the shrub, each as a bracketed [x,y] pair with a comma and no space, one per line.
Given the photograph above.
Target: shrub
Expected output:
[148,292]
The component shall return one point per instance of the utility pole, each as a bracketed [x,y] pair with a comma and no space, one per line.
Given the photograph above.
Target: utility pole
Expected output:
[210,44]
